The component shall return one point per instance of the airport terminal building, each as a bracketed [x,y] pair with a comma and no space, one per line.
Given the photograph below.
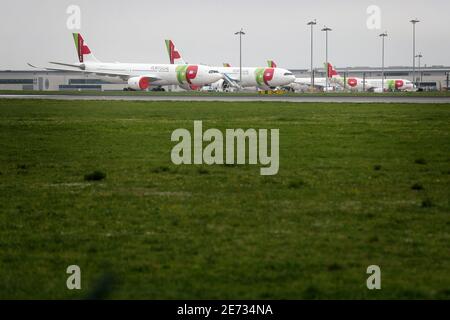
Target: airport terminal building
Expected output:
[428,78]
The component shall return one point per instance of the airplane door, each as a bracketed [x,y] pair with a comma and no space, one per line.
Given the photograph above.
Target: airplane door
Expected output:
[40,83]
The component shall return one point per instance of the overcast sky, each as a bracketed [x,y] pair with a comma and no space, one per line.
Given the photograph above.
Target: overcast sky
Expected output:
[203,31]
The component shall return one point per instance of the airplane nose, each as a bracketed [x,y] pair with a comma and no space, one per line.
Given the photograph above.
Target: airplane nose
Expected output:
[288,79]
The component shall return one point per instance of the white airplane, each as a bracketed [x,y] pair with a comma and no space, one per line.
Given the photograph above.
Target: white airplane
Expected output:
[321,82]
[139,76]
[262,78]
[372,85]
[390,85]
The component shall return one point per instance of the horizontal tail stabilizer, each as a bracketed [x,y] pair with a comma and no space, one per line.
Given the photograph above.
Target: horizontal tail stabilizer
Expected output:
[81,65]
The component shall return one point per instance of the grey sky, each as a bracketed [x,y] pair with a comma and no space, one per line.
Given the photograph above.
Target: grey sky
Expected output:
[203,31]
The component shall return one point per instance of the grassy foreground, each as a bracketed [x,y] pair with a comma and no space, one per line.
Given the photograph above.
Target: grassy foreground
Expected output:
[358,185]
[227,94]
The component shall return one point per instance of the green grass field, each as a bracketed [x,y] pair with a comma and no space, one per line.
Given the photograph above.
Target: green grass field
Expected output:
[227,94]
[358,185]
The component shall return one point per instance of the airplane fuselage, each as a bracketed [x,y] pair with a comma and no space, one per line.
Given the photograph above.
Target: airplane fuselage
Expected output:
[167,74]
[358,84]
[263,78]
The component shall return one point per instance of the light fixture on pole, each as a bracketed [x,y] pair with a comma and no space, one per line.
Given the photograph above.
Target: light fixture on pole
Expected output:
[414,21]
[419,56]
[312,23]
[383,35]
[240,33]
[326,29]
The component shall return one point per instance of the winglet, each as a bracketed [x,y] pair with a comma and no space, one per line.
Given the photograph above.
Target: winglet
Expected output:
[226,65]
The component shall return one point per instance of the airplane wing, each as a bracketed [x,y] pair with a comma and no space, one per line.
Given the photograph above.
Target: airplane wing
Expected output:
[319,82]
[121,75]
[80,65]
[303,81]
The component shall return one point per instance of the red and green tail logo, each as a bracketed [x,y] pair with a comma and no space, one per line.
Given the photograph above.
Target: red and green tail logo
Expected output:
[82,49]
[271,64]
[173,54]
[330,70]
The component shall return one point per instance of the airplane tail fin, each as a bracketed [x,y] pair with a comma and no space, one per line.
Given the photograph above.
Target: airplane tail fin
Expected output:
[271,64]
[174,55]
[227,65]
[331,72]
[83,51]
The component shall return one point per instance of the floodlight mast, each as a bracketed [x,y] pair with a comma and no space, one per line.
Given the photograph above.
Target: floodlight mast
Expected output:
[326,30]
[383,35]
[414,22]
[240,33]
[312,23]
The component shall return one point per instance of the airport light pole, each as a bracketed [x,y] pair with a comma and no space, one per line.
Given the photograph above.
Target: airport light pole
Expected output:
[419,56]
[240,33]
[383,35]
[326,29]
[414,21]
[312,24]
[447,79]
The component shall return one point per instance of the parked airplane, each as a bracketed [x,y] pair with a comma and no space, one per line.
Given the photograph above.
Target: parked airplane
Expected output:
[320,82]
[390,85]
[139,76]
[373,85]
[262,78]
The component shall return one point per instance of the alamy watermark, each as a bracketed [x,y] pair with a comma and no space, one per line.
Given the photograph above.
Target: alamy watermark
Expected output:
[189,149]
[373,21]
[74,19]
[374,280]
[74,280]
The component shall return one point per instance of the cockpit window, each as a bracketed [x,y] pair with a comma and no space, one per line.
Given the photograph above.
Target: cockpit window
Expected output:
[288,74]
[213,71]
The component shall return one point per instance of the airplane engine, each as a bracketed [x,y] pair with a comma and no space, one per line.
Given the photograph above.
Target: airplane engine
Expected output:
[138,83]
[219,86]
[352,82]
[190,87]
[398,84]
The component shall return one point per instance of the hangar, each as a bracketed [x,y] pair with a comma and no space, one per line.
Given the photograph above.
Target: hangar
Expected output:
[57,81]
